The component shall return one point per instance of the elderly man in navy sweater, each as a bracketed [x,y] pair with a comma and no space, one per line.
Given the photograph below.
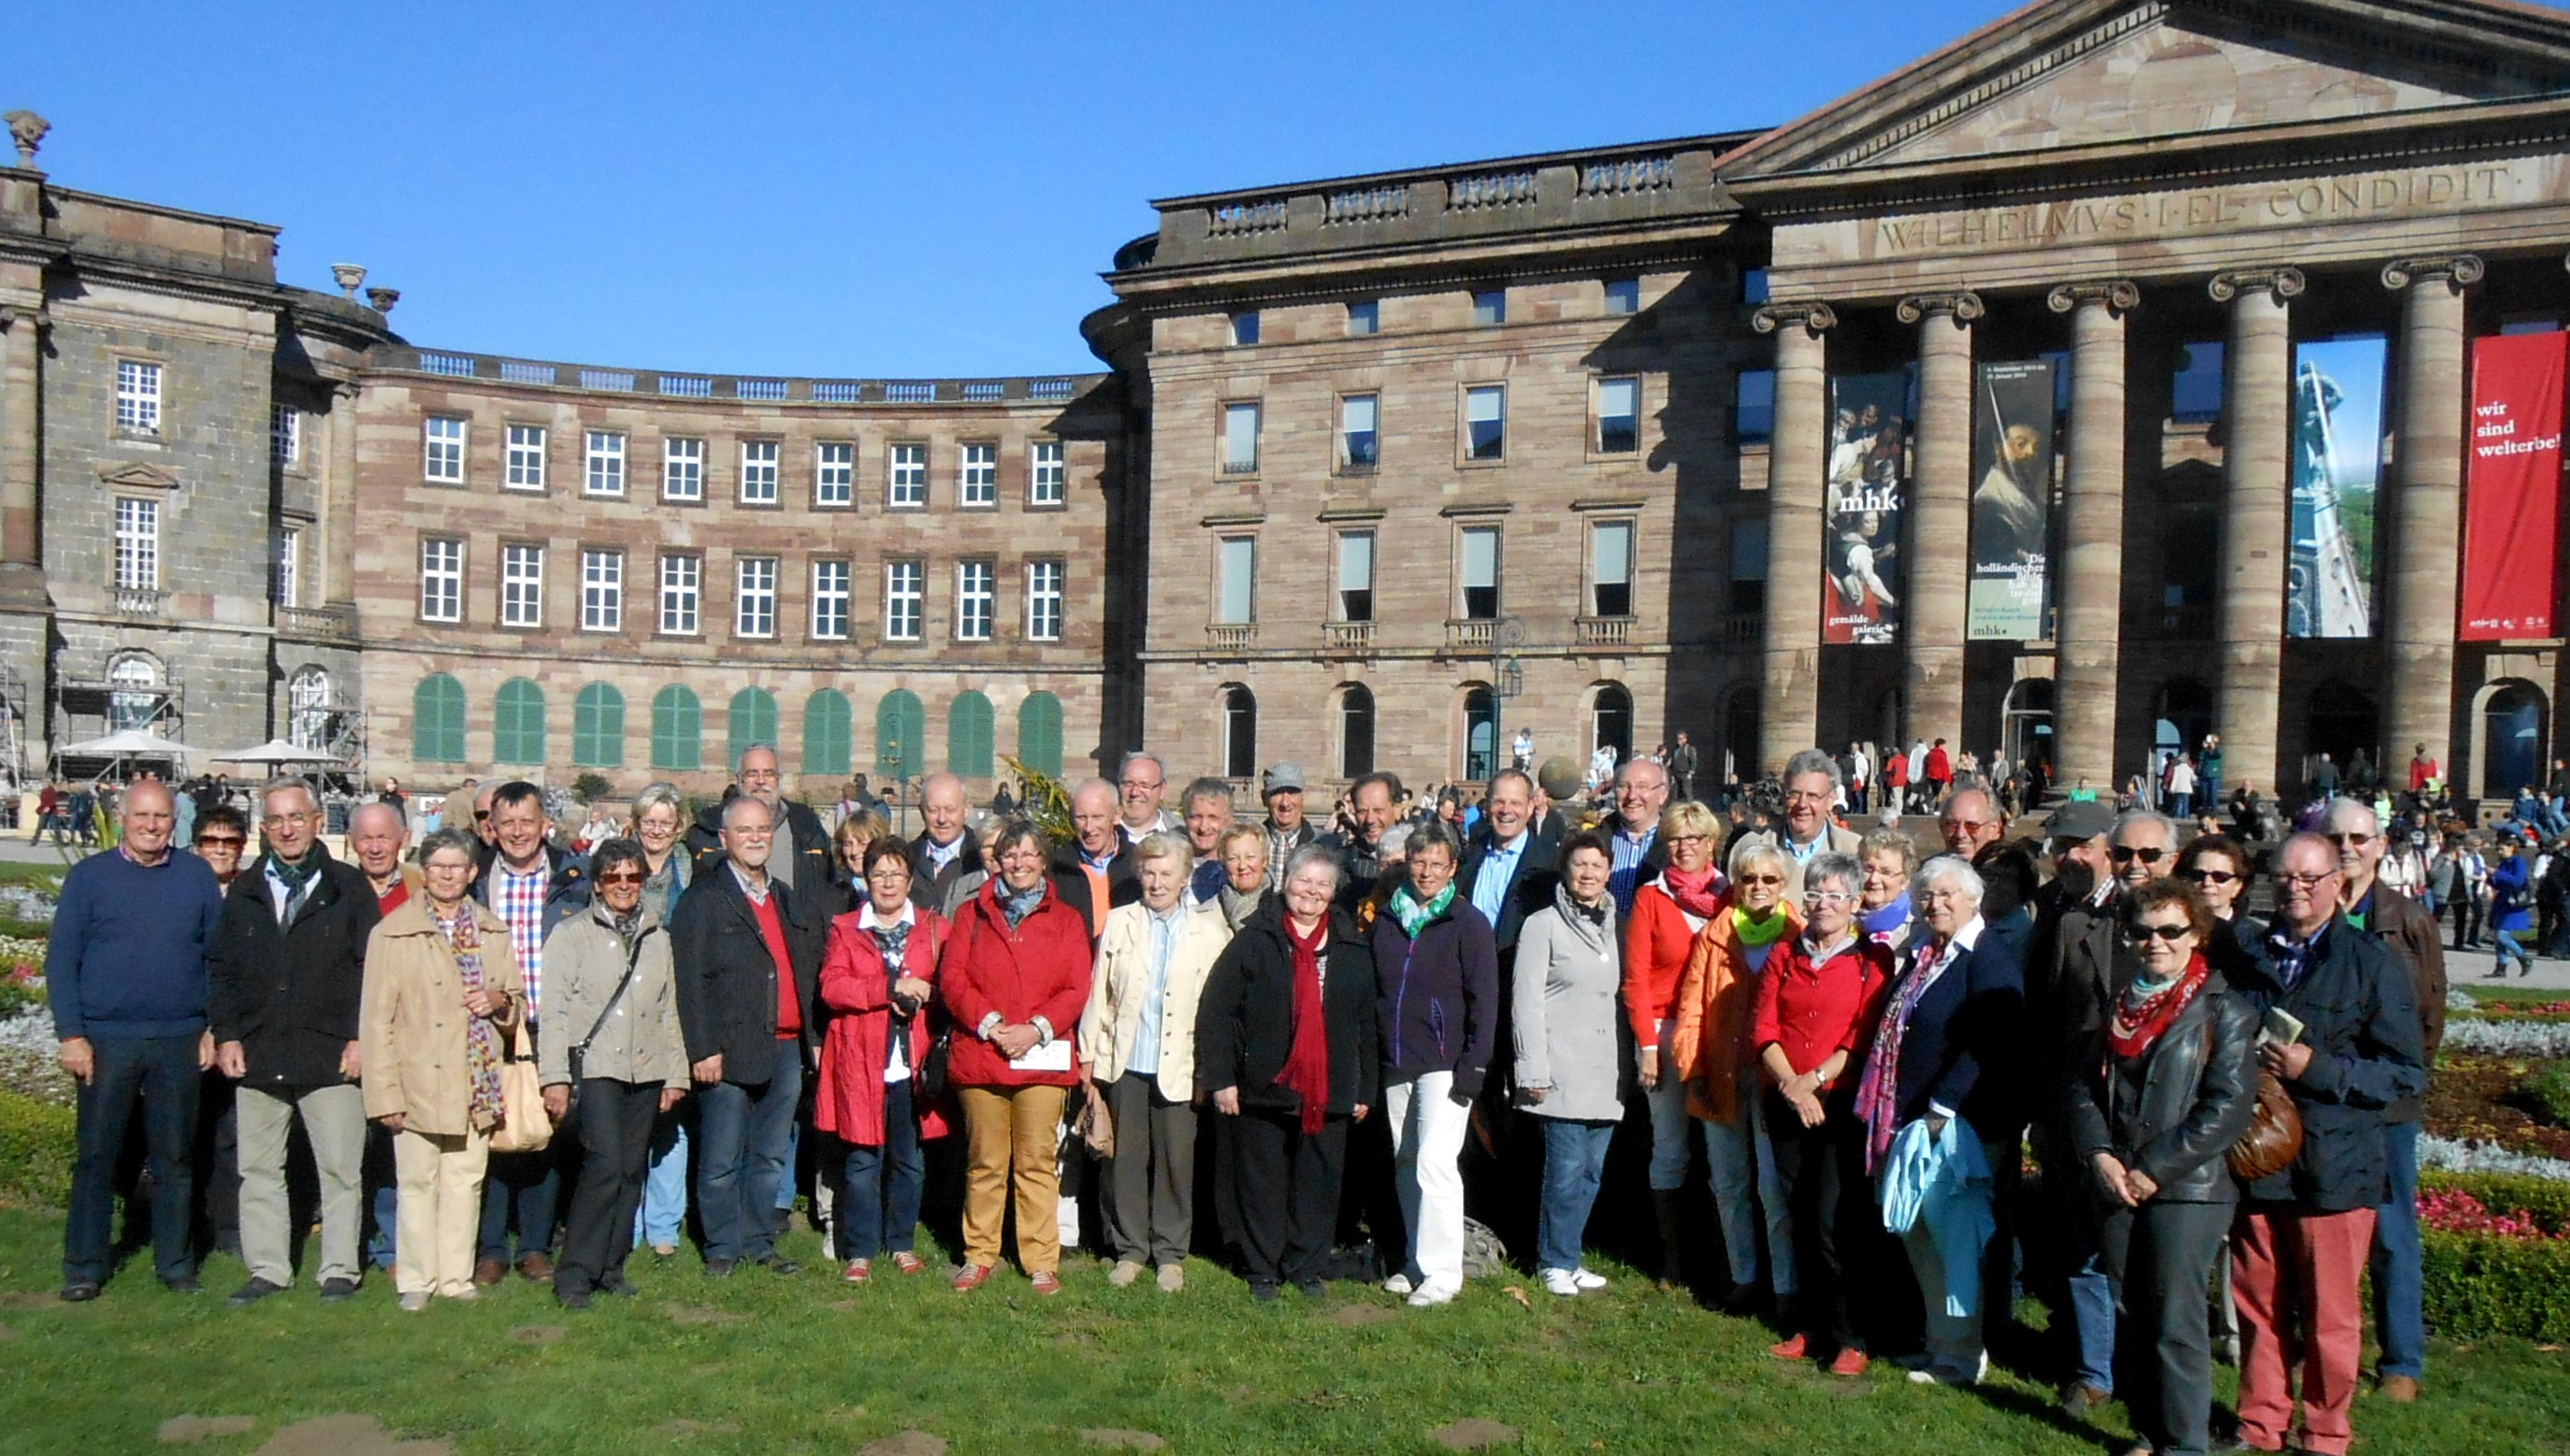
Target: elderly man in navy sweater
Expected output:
[125,970]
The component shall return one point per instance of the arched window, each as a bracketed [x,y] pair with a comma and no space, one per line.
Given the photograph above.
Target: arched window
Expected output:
[437,720]
[518,723]
[2511,740]
[828,732]
[1480,734]
[677,729]
[1239,733]
[1356,730]
[901,735]
[1610,721]
[2026,732]
[597,727]
[307,708]
[968,733]
[753,722]
[1040,733]
[1740,728]
[133,693]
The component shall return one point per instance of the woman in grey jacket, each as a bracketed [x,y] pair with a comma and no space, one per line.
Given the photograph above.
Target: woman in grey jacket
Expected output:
[613,1033]
[1569,1068]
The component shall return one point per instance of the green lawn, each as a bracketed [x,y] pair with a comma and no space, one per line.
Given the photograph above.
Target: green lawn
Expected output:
[762,1364]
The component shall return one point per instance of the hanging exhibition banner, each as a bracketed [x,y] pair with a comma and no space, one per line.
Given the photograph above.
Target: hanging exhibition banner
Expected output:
[2011,500]
[2512,486]
[2338,441]
[1868,483]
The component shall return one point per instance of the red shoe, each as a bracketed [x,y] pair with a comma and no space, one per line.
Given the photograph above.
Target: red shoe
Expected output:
[908,1263]
[1799,1348]
[971,1276]
[1849,1364]
[858,1271]
[1048,1283]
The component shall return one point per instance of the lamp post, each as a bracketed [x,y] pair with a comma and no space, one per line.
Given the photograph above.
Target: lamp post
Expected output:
[1508,678]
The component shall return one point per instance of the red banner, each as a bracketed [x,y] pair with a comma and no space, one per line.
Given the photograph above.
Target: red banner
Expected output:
[2512,498]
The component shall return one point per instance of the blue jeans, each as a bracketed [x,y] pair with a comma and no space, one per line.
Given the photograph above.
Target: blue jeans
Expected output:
[2507,950]
[664,1215]
[880,1187]
[385,1204]
[2399,1301]
[2092,1291]
[1575,1164]
[2182,805]
[743,1134]
[162,1072]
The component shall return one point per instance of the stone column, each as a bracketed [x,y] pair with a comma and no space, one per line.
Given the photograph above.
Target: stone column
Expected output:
[2426,501]
[1940,517]
[2087,632]
[1797,471]
[2257,390]
[336,502]
[22,353]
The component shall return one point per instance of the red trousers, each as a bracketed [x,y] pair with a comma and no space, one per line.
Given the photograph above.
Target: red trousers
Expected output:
[2294,1276]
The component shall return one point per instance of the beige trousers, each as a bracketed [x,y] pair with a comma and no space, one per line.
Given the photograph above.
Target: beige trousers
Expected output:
[1011,1131]
[440,1186]
[334,1122]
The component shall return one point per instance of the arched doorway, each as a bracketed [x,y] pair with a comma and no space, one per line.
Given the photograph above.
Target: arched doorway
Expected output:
[2183,717]
[1239,733]
[2026,732]
[2512,739]
[1610,720]
[2343,719]
[1739,729]
[1480,734]
[1356,731]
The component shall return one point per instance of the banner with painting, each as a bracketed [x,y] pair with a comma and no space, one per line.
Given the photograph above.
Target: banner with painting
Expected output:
[2011,500]
[2512,496]
[1868,482]
[2338,441]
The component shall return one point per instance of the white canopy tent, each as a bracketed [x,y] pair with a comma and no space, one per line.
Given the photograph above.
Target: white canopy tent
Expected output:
[279,752]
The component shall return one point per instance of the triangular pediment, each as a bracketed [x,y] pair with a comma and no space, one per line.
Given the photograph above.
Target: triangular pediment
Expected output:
[135,474]
[2088,73]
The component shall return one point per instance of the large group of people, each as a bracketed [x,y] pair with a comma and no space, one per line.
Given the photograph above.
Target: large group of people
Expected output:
[1392,1032]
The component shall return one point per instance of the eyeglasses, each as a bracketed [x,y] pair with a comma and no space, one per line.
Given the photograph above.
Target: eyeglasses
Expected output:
[1761,879]
[1806,796]
[1142,783]
[480,814]
[1826,897]
[2208,877]
[2140,934]
[620,877]
[2304,882]
[1690,839]
[889,875]
[221,841]
[2349,840]
[2125,853]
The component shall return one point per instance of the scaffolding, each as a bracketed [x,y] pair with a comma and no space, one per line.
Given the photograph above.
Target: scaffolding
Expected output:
[84,708]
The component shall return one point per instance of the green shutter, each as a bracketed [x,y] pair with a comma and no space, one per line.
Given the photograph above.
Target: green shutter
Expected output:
[677,729]
[828,731]
[753,722]
[597,727]
[437,720]
[518,723]
[1040,733]
[901,732]
[968,735]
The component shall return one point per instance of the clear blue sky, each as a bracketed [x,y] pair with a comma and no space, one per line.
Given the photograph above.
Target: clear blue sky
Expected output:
[851,190]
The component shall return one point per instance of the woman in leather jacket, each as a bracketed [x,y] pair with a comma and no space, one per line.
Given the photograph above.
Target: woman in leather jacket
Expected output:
[2170,1085]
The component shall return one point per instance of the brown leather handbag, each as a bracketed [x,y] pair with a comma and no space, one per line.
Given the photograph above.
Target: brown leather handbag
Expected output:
[2274,1136]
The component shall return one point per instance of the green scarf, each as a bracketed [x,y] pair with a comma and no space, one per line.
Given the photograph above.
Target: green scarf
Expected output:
[295,874]
[1414,916]
[1752,932]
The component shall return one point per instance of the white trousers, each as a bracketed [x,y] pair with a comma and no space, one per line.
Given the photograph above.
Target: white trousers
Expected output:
[1427,1127]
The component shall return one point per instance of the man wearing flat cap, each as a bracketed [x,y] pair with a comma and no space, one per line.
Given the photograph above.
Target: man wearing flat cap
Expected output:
[1287,829]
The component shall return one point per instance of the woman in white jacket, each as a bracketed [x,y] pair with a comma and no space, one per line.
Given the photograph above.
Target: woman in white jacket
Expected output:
[1569,1070]
[1137,1050]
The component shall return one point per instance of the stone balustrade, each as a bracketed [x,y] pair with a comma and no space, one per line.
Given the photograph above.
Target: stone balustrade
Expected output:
[749,388]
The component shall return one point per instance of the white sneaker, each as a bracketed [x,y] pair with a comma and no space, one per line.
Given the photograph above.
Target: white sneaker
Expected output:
[1398,1285]
[1563,1282]
[1588,1280]
[1432,1293]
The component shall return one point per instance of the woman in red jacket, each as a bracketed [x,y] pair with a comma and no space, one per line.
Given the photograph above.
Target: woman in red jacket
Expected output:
[877,979]
[1014,977]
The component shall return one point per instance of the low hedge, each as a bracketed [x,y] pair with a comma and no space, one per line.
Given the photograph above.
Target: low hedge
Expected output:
[2479,1284]
[35,1151]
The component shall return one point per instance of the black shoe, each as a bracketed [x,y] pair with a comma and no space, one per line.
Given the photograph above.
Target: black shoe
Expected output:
[618,1284]
[253,1291]
[571,1298]
[1311,1288]
[183,1285]
[338,1291]
[720,1269]
[79,1292]
[1263,1294]
[778,1264]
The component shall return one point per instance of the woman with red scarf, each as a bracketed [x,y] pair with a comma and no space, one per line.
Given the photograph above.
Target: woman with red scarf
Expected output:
[2168,1086]
[1286,1041]
[1659,935]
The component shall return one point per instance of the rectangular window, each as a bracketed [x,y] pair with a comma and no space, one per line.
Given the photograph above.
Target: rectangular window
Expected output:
[604,473]
[138,397]
[1245,327]
[753,611]
[1356,577]
[526,458]
[1753,407]
[1236,582]
[683,469]
[441,579]
[1749,566]
[601,591]
[1486,422]
[1490,306]
[2195,387]
[1043,600]
[834,473]
[905,598]
[1364,319]
[137,544]
[1620,416]
[976,596]
[830,600]
[1358,439]
[759,471]
[1623,296]
[977,474]
[1478,567]
[682,577]
[1047,479]
[906,477]
[522,586]
[1240,439]
[1611,568]
[443,445]
[286,436]
[289,566]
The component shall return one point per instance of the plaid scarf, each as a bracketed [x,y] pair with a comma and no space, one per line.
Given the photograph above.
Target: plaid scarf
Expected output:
[481,1041]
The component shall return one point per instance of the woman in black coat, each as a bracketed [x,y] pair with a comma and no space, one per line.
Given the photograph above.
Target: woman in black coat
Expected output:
[1286,1042]
[2166,1086]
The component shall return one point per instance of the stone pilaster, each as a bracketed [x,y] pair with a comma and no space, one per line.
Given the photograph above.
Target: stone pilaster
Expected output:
[1796,470]
[2257,389]
[2088,635]
[1940,516]
[2427,502]
[337,500]
[22,353]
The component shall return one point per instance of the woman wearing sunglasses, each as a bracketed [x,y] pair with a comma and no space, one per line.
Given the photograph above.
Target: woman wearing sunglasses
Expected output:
[2220,871]
[2167,1085]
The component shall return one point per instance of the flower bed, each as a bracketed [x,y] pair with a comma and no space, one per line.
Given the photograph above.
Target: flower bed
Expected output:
[2488,1099]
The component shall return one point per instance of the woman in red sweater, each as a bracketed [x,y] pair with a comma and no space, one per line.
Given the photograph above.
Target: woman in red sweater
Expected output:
[1658,936]
[1014,977]
[877,979]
